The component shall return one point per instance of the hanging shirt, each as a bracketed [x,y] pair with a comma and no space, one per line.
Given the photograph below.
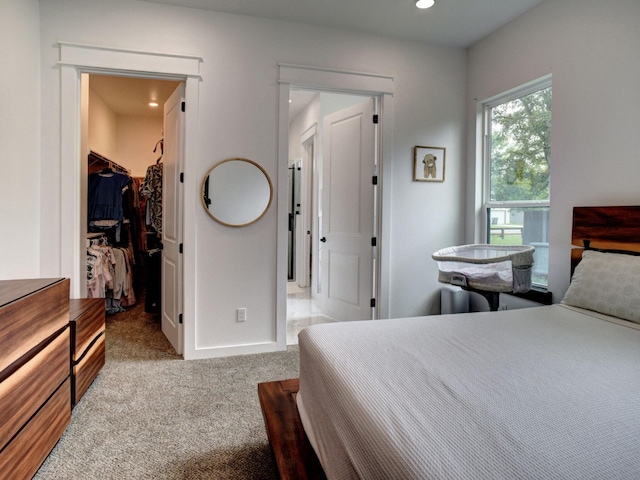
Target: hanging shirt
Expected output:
[105,196]
[151,189]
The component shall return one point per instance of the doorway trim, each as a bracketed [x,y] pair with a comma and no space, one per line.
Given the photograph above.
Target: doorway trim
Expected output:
[339,81]
[76,59]
[308,195]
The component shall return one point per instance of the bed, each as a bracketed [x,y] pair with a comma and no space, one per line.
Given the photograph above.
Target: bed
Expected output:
[543,392]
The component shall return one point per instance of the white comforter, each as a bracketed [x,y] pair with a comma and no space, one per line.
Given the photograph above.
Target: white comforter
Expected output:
[545,392]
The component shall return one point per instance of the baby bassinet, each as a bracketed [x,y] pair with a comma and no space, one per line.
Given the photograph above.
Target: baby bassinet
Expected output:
[490,268]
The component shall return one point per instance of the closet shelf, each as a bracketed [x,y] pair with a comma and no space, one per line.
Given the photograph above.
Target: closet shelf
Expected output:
[95,158]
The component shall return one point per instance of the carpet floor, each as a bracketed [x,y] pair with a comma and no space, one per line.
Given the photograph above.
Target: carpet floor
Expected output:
[151,415]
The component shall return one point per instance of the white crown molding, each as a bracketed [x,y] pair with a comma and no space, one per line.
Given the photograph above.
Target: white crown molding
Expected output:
[322,78]
[101,57]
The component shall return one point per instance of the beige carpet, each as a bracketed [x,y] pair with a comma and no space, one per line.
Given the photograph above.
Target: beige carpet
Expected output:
[151,415]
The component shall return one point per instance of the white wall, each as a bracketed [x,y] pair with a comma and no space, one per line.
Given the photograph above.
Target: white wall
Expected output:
[125,139]
[591,49]
[238,117]
[136,138]
[19,139]
[103,128]
[425,216]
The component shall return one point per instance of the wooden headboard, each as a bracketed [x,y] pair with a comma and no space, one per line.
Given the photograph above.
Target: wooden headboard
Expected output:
[606,228]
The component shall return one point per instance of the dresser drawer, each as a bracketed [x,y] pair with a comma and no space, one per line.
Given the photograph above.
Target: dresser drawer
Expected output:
[30,312]
[26,389]
[22,457]
[87,316]
[86,370]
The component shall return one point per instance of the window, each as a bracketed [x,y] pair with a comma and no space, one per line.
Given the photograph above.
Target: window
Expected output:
[517,153]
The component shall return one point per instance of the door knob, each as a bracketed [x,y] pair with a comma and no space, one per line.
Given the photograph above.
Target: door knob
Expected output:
[323,239]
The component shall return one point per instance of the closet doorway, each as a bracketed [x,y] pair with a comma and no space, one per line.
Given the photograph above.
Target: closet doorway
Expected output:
[133,126]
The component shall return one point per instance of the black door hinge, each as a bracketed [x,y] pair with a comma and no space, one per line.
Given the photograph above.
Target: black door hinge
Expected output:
[374,241]
[181,177]
[374,179]
[181,248]
[180,319]
[373,303]
[375,118]
[183,106]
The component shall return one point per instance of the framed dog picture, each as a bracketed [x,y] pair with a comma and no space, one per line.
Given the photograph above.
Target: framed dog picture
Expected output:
[428,164]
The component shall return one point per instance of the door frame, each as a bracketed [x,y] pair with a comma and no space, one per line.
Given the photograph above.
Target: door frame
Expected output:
[306,77]
[309,213]
[76,59]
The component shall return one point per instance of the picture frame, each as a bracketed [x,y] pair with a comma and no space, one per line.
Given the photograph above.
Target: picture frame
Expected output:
[429,164]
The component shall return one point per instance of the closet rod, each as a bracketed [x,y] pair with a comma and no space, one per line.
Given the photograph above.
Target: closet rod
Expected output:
[111,163]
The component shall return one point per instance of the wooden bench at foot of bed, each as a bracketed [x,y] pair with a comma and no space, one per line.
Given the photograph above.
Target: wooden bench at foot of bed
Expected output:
[293,454]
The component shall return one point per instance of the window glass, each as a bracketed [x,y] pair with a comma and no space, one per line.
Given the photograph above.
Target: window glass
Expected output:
[521,148]
[517,169]
[523,226]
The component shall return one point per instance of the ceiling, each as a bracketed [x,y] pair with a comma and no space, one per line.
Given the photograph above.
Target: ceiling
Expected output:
[451,23]
[131,96]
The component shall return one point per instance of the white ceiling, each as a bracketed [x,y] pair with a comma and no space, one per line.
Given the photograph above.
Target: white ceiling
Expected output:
[452,23]
[131,96]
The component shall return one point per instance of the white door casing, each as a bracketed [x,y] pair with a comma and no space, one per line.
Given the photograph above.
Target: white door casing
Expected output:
[348,211]
[172,193]
[69,252]
[378,85]
[308,208]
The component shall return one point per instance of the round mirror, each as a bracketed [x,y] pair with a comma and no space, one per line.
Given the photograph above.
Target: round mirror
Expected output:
[237,192]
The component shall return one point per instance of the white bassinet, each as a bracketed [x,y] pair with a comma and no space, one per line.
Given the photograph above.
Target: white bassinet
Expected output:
[490,268]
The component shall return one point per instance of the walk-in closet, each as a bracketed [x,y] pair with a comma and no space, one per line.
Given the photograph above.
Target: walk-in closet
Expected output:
[123,145]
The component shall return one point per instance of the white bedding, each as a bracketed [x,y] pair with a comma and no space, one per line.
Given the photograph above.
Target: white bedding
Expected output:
[545,392]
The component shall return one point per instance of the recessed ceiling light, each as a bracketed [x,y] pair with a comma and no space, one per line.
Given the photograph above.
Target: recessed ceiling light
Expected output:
[425,3]
[153,104]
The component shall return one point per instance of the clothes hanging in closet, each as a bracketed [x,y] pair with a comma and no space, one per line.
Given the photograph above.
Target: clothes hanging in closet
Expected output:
[110,275]
[138,208]
[151,188]
[99,279]
[105,205]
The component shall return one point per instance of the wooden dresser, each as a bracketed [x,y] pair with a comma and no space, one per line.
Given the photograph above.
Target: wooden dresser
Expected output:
[35,390]
[87,322]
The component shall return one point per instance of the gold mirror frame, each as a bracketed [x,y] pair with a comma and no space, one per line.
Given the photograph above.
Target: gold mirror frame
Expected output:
[232,189]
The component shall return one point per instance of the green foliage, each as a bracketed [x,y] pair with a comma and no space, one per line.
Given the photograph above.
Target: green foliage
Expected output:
[521,148]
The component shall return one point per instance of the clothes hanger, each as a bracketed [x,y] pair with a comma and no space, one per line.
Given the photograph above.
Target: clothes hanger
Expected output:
[107,170]
[161,144]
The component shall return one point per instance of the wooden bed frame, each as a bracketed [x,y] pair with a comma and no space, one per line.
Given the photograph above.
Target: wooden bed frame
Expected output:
[594,227]
[605,228]
[293,454]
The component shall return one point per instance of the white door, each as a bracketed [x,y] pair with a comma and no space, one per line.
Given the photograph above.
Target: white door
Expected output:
[346,255]
[172,219]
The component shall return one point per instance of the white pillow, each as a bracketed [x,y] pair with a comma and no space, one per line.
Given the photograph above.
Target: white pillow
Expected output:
[607,283]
